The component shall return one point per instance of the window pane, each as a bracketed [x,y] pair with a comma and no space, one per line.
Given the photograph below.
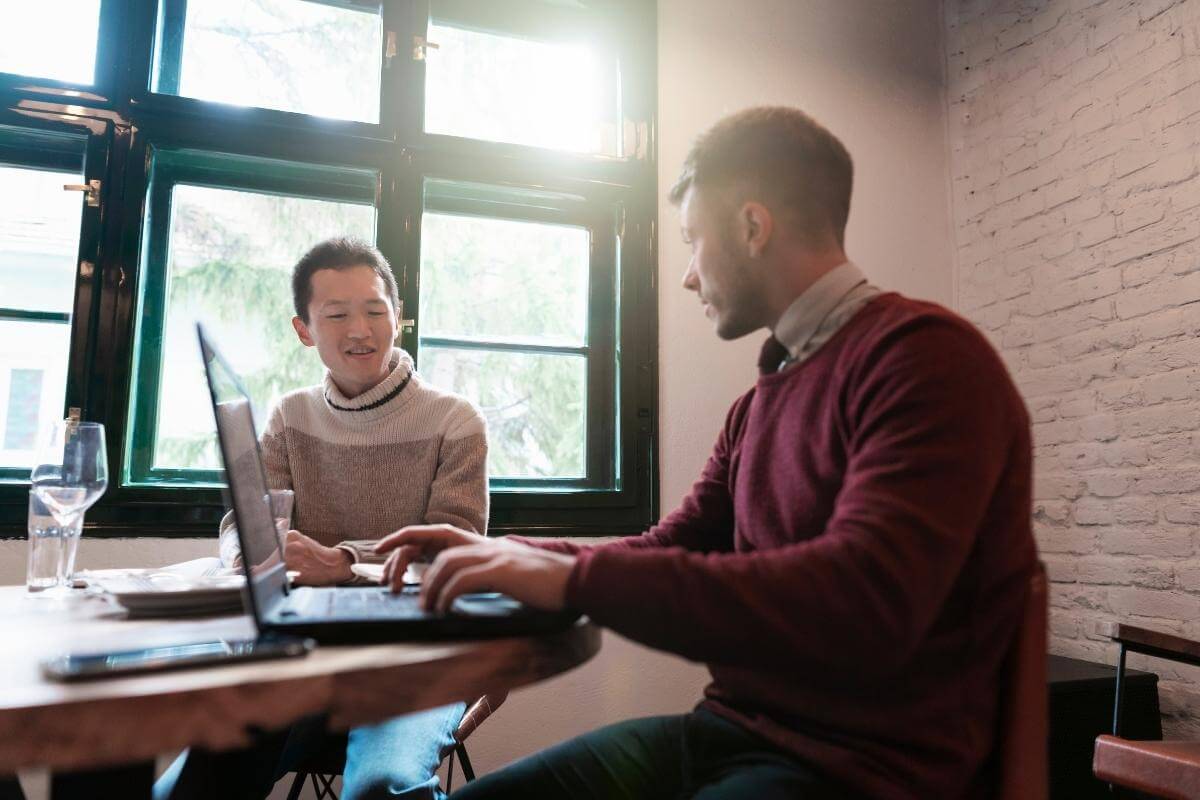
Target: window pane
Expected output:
[507,89]
[33,380]
[536,407]
[477,275]
[50,40]
[289,55]
[39,239]
[229,262]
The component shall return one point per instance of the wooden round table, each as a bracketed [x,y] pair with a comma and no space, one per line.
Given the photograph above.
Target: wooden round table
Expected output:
[134,719]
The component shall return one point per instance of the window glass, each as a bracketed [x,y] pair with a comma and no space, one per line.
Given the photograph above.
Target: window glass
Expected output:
[290,55]
[39,243]
[33,380]
[39,239]
[535,405]
[558,95]
[229,263]
[503,279]
[24,401]
[55,40]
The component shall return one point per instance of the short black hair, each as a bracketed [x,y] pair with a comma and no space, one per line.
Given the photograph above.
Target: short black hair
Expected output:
[781,154]
[341,252]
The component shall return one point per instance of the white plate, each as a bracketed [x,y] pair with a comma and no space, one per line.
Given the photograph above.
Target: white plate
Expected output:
[165,593]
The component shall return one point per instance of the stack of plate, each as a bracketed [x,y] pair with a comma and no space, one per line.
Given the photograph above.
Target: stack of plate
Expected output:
[158,593]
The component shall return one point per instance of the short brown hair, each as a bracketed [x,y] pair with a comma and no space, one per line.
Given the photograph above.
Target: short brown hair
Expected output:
[782,153]
[342,252]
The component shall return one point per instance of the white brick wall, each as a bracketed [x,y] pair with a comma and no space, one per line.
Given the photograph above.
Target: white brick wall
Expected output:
[1074,128]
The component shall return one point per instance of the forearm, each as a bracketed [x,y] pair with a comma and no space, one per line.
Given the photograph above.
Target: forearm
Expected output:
[576,545]
[818,605]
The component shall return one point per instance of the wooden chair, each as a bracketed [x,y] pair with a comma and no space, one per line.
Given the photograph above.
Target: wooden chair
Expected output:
[326,765]
[1024,726]
[1160,769]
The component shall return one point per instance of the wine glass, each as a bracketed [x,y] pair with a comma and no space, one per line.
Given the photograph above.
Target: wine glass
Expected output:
[70,474]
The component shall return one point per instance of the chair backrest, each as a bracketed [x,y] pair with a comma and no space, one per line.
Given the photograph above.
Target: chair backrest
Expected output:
[476,713]
[1023,740]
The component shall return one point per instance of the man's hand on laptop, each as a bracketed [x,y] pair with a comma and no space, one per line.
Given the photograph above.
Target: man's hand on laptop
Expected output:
[467,562]
[317,564]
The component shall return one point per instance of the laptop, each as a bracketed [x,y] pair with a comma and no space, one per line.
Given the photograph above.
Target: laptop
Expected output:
[350,614]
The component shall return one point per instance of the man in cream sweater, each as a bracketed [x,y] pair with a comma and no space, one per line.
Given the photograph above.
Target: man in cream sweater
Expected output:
[368,451]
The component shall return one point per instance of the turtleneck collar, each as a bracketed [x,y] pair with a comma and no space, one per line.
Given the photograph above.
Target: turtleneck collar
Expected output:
[378,401]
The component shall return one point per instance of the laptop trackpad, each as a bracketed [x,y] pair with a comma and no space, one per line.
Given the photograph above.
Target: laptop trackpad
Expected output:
[486,604]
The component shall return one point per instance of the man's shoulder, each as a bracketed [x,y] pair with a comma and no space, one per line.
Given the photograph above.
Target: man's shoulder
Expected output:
[894,321]
[917,341]
[447,410]
[297,404]
[300,401]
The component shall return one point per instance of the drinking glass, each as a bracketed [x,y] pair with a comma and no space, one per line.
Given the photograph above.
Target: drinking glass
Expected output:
[70,474]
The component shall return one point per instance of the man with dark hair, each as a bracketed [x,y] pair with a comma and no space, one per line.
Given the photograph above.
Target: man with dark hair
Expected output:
[852,562]
[371,449]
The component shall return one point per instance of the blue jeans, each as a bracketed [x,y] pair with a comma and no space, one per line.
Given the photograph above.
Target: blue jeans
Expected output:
[394,759]
[699,756]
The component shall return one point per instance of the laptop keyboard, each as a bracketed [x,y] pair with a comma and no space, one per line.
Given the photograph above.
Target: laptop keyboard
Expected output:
[363,604]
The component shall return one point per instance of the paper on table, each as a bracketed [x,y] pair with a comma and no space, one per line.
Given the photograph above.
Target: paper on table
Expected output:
[374,572]
[199,572]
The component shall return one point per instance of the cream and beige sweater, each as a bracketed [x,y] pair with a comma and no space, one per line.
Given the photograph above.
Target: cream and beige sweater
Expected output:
[402,453]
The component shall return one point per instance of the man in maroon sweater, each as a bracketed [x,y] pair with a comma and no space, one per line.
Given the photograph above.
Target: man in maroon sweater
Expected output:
[851,564]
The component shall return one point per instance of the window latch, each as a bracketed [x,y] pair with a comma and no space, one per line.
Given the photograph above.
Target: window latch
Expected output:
[389,49]
[421,48]
[91,189]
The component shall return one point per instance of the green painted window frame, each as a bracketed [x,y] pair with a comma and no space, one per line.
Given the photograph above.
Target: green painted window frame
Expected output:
[168,169]
[523,204]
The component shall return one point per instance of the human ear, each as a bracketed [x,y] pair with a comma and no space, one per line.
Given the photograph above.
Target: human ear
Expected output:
[757,225]
[302,332]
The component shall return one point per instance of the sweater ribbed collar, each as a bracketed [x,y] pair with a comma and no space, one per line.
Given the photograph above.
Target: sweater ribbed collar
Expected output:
[378,401]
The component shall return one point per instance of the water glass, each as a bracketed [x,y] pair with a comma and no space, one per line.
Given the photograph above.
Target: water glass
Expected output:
[70,474]
[52,548]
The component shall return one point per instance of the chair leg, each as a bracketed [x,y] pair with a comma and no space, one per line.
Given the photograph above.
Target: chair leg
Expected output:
[450,772]
[325,791]
[297,786]
[1117,694]
[467,771]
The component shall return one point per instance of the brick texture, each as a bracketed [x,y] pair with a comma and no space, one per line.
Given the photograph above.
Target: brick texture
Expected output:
[1074,130]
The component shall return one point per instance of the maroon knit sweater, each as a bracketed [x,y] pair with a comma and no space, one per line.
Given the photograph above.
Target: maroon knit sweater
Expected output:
[853,561]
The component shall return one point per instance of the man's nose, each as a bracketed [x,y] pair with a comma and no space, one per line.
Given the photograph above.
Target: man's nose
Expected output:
[358,328]
[691,281]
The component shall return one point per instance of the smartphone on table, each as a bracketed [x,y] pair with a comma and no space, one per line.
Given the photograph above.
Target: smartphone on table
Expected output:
[85,666]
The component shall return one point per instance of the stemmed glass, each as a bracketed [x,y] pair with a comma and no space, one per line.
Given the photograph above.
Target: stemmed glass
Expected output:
[70,474]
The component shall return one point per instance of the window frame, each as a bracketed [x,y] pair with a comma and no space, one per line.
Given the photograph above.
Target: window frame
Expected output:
[599,348]
[180,166]
[56,142]
[124,121]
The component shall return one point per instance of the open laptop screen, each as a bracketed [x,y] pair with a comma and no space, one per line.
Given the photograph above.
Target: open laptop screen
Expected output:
[247,481]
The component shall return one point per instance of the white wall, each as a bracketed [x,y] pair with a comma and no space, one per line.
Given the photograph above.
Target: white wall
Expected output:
[870,70]
[1077,201]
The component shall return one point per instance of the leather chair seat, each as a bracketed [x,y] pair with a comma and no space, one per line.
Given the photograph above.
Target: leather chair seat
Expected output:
[1163,769]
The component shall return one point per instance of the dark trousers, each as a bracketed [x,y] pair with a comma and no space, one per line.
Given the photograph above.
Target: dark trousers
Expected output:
[697,755]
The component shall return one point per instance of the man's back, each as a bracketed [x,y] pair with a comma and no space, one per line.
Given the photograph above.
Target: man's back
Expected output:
[878,496]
